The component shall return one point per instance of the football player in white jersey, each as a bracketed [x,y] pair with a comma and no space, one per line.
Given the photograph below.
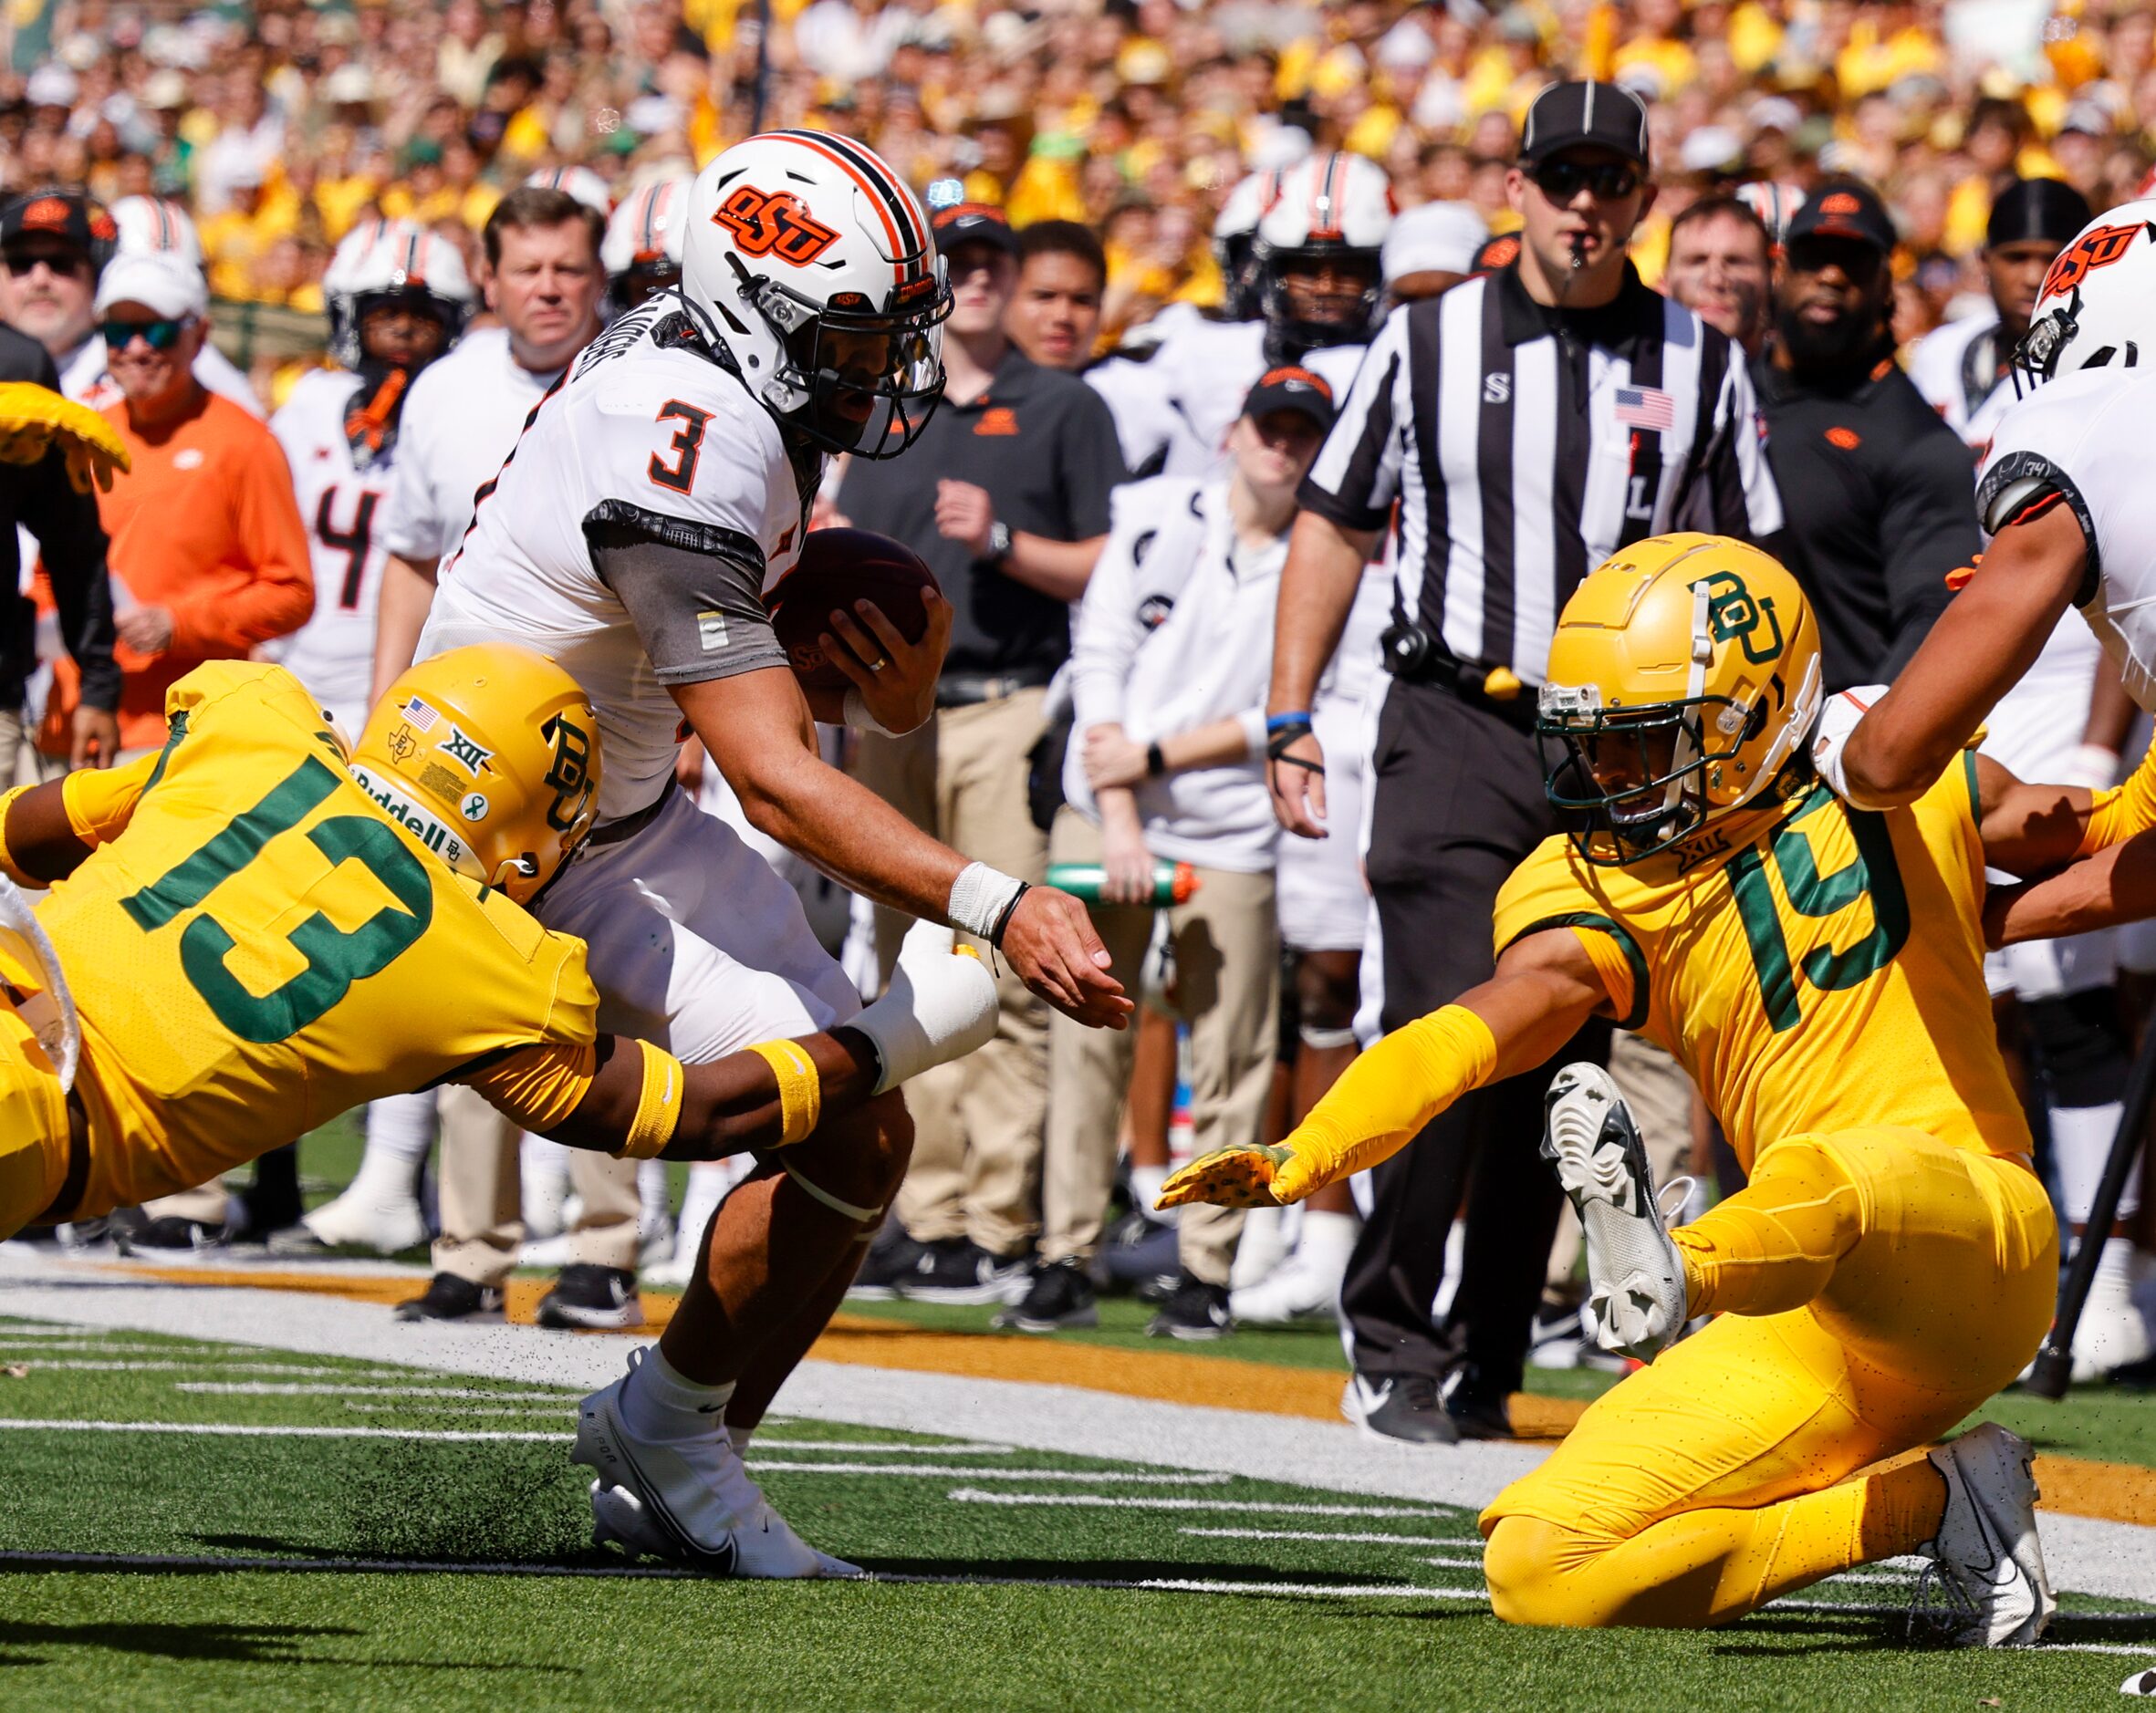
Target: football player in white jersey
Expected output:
[2060,470]
[652,500]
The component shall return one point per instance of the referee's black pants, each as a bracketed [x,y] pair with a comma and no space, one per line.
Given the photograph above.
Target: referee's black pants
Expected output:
[1457,803]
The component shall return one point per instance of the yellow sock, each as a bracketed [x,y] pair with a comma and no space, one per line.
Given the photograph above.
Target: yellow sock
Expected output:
[1702,1568]
[1772,1246]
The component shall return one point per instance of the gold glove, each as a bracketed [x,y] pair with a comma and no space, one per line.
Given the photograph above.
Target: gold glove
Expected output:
[34,418]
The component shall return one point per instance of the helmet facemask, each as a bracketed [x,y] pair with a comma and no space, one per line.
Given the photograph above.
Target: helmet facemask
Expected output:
[1634,780]
[1299,331]
[822,390]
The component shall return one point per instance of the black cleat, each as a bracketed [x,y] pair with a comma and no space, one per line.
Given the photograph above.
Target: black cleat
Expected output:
[450,1298]
[1478,1409]
[1194,1310]
[167,1237]
[1060,1295]
[891,1258]
[958,1269]
[592,1298]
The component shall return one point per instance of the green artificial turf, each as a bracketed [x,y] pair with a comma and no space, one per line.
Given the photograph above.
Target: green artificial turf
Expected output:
[997,1625]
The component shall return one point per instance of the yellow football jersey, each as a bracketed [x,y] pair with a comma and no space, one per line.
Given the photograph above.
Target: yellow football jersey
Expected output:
[263,946]
[1814,967]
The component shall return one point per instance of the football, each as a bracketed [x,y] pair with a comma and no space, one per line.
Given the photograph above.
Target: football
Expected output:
[837,569]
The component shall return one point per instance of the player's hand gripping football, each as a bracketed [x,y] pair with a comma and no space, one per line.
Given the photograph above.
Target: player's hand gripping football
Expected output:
[897,679]
[33,419]
[1248,1175]
[1051,944]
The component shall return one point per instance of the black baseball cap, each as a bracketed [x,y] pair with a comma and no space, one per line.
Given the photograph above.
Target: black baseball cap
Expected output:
[2037,211]
[67,215]
[1845,208]
[1585,113]
[1292,388]
[973,223]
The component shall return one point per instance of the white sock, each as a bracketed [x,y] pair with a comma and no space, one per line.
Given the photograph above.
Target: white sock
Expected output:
[659,1402]
[399,1131]
[651,1191]
[1145,1186]
[1328,1240]
[2080,1145]
[740,1436]
[709,1182]
[541,1162]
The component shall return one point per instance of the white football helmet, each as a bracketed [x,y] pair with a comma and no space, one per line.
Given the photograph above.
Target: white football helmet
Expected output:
[1234,230]
[151,223]
[392,261]
[808,261]
[642,250]
[1332,209]
[2093,310]
[580,182]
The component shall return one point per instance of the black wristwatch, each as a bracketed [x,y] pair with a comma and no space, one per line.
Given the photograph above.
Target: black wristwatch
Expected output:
[999,541]
[1156,764]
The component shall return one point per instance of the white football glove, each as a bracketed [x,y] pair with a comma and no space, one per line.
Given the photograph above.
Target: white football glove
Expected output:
[940,1005]
[1838,718]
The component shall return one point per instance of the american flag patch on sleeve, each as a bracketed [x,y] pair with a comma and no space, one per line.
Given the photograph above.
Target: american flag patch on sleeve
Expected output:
[1648,408]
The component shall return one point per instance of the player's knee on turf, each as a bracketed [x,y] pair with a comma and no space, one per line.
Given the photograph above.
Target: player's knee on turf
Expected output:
[1523,1562]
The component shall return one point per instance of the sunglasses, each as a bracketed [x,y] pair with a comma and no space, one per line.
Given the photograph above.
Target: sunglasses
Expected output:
[162,335]
[19,262]
[1561,181]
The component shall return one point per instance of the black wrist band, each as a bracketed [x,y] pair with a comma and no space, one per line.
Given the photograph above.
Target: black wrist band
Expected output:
[1156,764]
[1003,921]
[1290,732]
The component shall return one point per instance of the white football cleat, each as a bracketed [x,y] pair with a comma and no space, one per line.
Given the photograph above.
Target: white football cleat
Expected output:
[1636,1293]
[367,1217]
[688,1502]
[671,1274]
[1986,1556]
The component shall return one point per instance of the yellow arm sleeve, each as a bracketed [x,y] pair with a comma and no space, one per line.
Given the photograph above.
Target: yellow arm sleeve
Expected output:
[100,800]
[540,1087]
[1385,1097]
[2116,815]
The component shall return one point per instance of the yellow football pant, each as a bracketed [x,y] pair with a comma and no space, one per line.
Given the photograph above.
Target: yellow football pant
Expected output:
[1871,1288]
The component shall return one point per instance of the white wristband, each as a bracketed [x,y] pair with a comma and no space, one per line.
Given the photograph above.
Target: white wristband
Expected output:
[979,896]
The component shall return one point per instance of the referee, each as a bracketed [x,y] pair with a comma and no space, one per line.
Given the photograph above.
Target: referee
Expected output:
[1528,424]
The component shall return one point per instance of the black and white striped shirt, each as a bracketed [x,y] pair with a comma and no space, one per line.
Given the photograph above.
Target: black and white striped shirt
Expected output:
[1522,455]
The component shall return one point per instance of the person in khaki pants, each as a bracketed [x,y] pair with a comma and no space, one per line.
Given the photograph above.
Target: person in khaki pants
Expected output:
[1168,680]
[1005,496]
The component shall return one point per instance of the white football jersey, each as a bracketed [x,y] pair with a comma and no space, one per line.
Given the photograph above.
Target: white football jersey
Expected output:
[2077,434]
[1955,366]
[333,653]
[1178,405]
[640,433]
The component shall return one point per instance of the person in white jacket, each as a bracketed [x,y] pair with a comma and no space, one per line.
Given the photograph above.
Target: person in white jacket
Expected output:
[1169,670]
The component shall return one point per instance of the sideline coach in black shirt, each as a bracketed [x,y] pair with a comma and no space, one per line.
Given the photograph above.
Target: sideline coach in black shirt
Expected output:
[71,542]
[1876,485]
[1528,425]
[1005,496]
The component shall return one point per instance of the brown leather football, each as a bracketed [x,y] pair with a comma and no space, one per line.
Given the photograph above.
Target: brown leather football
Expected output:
[837,569]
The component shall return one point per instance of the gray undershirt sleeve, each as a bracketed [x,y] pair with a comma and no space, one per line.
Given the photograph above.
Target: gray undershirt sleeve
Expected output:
[699,608]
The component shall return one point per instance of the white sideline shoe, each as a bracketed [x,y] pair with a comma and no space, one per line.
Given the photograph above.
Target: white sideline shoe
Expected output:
[1635,1295]
[672,1274]
[1986,1556]
[364,1217]
[689,1501]
[1305,1286]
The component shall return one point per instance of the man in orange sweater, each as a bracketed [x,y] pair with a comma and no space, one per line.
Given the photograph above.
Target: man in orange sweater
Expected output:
[209,554]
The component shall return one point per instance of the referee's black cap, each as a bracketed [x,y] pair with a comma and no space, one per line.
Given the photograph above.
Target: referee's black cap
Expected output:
[1845,208]
[1583,113]
[2037,211]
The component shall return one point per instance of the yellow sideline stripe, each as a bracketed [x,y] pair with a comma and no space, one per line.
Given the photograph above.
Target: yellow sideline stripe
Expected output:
[2080,1487]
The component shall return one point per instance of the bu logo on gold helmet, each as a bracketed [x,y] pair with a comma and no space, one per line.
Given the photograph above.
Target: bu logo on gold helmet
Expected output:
[1683,677]
[489,756]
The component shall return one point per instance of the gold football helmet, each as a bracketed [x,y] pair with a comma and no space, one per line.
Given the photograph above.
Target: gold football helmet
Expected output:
[1683,675]
[489,756]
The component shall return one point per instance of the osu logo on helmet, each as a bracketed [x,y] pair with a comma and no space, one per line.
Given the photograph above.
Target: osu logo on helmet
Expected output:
[2087,252]
[774,223]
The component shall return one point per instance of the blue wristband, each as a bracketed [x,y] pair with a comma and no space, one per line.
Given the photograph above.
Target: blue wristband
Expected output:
[1274,722]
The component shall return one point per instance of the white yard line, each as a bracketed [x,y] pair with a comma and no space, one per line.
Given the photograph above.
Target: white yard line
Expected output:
[37,1365]
[1278,1507]
[2085,1555]
[237,1430]
[561,1409]
[264,1388]
[1316,1534]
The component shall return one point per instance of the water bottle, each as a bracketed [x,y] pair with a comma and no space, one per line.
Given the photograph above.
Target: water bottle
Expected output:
[1172,882]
